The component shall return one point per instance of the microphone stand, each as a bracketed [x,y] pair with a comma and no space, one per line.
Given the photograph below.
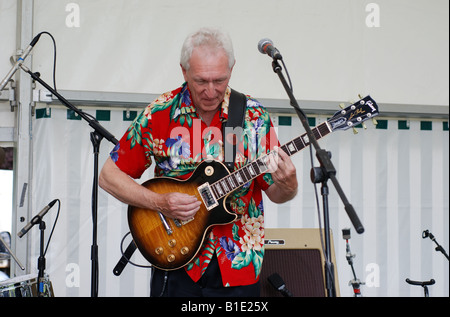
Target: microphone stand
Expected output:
[96,137]
[424,284]
[355,282]
[327,171]
[41,260]
[439,247]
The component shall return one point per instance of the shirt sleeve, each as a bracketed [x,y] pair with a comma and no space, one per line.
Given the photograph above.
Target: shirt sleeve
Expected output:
[265,180]
[269,141]
[132,154]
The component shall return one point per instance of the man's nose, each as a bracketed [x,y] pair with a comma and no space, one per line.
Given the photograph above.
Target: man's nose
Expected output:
[210,89]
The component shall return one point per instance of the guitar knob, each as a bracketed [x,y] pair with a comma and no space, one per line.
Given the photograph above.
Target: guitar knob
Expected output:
[172,243]
[159,250]
[184,250]
[209,170]
[170,258]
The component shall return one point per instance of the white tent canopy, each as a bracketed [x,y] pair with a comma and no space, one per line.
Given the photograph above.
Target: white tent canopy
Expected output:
[113,57]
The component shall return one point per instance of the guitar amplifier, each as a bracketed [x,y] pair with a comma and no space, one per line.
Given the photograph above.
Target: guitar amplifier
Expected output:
[296,256]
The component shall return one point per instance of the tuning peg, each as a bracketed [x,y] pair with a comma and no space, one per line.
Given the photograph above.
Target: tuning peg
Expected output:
[355,131]
[342,105]
[375,122]
[364,125]
[360,97]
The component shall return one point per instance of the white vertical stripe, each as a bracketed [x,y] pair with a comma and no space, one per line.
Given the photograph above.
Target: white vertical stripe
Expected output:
[369,219]
[392,212]
[342,144]
[415,205]
[439,263]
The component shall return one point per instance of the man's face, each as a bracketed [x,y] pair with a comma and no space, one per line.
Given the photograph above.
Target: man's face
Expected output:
[207,78]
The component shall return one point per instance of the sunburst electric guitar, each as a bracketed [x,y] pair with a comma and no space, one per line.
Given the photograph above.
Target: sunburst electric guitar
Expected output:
[170,244]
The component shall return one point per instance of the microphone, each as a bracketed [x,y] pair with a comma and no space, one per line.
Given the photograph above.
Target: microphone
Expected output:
[426,234]
[19,62]
[277,282]
[36,219]
[265,46]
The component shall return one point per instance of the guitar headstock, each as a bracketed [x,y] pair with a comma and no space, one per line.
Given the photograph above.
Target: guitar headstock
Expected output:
[364,109]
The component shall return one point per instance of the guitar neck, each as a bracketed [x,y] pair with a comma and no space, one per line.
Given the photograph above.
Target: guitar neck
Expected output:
[258,167]
[299,143]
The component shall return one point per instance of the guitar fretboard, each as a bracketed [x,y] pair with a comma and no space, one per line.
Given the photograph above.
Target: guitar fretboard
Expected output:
[252,170]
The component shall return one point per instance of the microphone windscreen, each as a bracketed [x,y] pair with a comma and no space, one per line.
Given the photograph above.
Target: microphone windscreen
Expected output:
[276,280]
[262,43]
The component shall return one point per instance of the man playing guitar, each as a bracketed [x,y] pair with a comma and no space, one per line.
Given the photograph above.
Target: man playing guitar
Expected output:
[179,130]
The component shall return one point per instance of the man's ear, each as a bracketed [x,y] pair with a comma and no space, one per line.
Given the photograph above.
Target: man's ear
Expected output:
[184,73]
[231,70]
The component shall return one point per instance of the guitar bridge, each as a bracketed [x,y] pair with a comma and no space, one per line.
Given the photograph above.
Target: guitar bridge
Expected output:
[207,196]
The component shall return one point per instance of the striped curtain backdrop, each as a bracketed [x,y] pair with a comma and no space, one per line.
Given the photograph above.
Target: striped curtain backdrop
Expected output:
[395,175]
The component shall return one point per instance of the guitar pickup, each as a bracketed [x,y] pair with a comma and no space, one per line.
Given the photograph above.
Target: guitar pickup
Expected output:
[179,223]
[207,196]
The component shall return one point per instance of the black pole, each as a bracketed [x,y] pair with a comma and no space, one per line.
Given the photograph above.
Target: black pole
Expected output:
[329,267]
[96,140]
[41,260]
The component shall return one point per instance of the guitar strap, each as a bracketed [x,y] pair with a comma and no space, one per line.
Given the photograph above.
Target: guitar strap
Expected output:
[233,128]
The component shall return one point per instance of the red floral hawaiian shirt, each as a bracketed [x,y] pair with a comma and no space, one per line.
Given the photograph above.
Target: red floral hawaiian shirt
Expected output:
[170,131]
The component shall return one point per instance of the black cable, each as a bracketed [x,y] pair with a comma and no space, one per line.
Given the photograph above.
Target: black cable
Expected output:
[54,67]
[289,77]
[318,206]
[126,258]
[54,57]
[53,228]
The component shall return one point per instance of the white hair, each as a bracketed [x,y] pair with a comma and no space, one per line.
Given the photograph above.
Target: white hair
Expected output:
[210,37]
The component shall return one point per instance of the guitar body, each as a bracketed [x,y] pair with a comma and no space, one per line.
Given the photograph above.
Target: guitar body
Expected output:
[174,248]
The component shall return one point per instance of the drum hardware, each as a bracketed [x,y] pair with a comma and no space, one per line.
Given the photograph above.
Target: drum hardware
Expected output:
[25,286]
